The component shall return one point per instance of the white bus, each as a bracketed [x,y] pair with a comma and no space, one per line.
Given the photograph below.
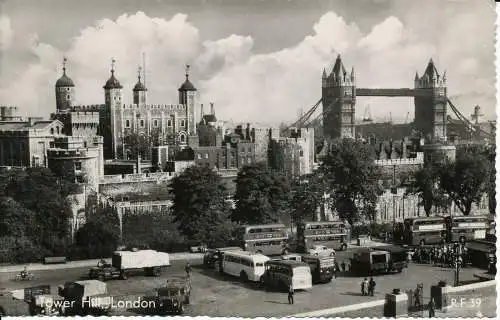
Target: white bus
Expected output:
[244,264]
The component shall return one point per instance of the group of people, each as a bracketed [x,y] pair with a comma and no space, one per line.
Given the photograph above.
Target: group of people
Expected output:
[444,255]
[368,287]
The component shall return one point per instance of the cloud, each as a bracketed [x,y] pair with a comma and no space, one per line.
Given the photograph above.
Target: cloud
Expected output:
[247,86]
[6,33]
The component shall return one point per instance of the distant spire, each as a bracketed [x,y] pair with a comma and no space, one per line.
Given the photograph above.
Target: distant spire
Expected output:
[444,75]
[352,74]
[139,74]
[416,75]
[324,73]
[65,60]
[187,71]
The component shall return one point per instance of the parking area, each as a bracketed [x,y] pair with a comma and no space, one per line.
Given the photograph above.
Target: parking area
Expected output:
[217,295]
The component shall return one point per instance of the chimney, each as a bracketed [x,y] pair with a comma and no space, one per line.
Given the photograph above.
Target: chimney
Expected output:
[247,132]
[31,121]
[138,164]
[212,110]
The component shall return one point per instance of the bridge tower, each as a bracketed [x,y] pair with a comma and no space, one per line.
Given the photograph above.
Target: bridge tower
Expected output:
[339,100]
[431,103]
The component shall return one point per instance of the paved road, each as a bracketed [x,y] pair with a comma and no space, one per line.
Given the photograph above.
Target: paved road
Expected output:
[215,295]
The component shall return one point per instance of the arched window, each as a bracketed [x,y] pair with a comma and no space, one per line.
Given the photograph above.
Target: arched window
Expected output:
[57,129]
[127,123]
[51,130]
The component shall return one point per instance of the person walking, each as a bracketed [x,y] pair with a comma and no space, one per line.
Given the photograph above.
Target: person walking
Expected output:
[342,265]
[290,294]
[364,287]
[336,269]
[188,270]
[432,308]
[371,287]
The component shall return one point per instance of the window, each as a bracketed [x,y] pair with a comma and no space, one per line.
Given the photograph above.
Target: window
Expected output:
[183,138]
[68,97]
[183,123]
[78,165]
[206,155]
[155,123]
[249,160]
[51,130]
[199,155]
[127,123]
[57,129]
[169,123]
[142,123]
[79,179]
[301,153]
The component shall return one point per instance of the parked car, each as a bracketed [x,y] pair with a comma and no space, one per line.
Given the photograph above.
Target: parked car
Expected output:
[319,250]
[173,296]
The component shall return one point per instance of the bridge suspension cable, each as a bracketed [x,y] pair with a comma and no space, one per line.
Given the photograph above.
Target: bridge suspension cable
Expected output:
[466,121]
[300,122]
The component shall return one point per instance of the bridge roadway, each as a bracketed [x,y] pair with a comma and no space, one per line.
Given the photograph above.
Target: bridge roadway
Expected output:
[397,92]
[215,295]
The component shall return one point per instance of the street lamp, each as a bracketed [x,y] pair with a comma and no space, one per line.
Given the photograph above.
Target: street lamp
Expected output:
[458,252]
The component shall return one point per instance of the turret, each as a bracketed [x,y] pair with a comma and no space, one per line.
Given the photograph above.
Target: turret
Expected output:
[187,97]
[65,90]
[139,91]
[112,101]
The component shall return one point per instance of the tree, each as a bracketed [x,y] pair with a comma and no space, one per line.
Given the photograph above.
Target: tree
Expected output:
[307,196]
[262,195]
[141,143]
[47,196]
[466,179]
[200,205]
[352,178]
[425,184]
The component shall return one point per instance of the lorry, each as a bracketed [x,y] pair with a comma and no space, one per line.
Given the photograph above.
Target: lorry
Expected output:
[173,296]
[125,263]
[87,297]
[370,261]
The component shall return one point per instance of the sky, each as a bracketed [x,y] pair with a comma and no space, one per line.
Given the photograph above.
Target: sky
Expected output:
[258,61]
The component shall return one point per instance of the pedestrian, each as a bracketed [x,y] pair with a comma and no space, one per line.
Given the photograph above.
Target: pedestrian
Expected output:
[364,287]
[337,269]
[371,287]
[188,269]
[342,265]
[432,308]
[290,293]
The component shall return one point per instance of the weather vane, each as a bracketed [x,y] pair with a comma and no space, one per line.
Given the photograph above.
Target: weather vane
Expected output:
[187,70]
[113,64]
[64,64]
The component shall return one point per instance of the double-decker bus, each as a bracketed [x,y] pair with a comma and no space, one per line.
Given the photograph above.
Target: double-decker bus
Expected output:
[332,234]
[424,230]
[268,239]
[465,228]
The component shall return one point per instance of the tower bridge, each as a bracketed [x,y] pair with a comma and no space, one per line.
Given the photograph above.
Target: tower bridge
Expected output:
[339,93]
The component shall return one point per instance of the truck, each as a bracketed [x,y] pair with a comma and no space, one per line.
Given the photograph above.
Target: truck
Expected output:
[322,268]
[398,257]
[87,297]
[173,296]
[369,261]
[126,263]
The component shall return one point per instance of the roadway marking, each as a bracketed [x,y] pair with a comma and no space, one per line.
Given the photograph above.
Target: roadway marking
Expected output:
[330,311]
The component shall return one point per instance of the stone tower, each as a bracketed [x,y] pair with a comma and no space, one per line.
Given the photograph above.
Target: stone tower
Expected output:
[65,90]
[187,97]
[339,100]
[140,90]
[430,104]
[112,124]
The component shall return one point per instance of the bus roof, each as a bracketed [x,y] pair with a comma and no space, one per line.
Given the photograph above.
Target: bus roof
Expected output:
[311,256]
[272,225]
[256,256]
[392,249]
[291,263]
[424,219]
[317,223]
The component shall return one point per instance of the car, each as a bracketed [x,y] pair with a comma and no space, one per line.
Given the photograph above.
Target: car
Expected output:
[173,296]
[213,255]
[319,250]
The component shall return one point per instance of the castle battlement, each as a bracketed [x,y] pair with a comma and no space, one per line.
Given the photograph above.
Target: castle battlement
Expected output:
[419,160]
[74,153]
[87,108]
[156,106]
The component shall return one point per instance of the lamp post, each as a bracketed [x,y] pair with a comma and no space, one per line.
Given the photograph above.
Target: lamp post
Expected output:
[458,261]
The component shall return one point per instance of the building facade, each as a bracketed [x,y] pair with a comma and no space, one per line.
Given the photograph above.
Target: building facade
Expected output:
[25,143]
[293,155]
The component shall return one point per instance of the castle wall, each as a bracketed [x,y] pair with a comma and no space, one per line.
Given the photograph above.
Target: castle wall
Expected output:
[261,139]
